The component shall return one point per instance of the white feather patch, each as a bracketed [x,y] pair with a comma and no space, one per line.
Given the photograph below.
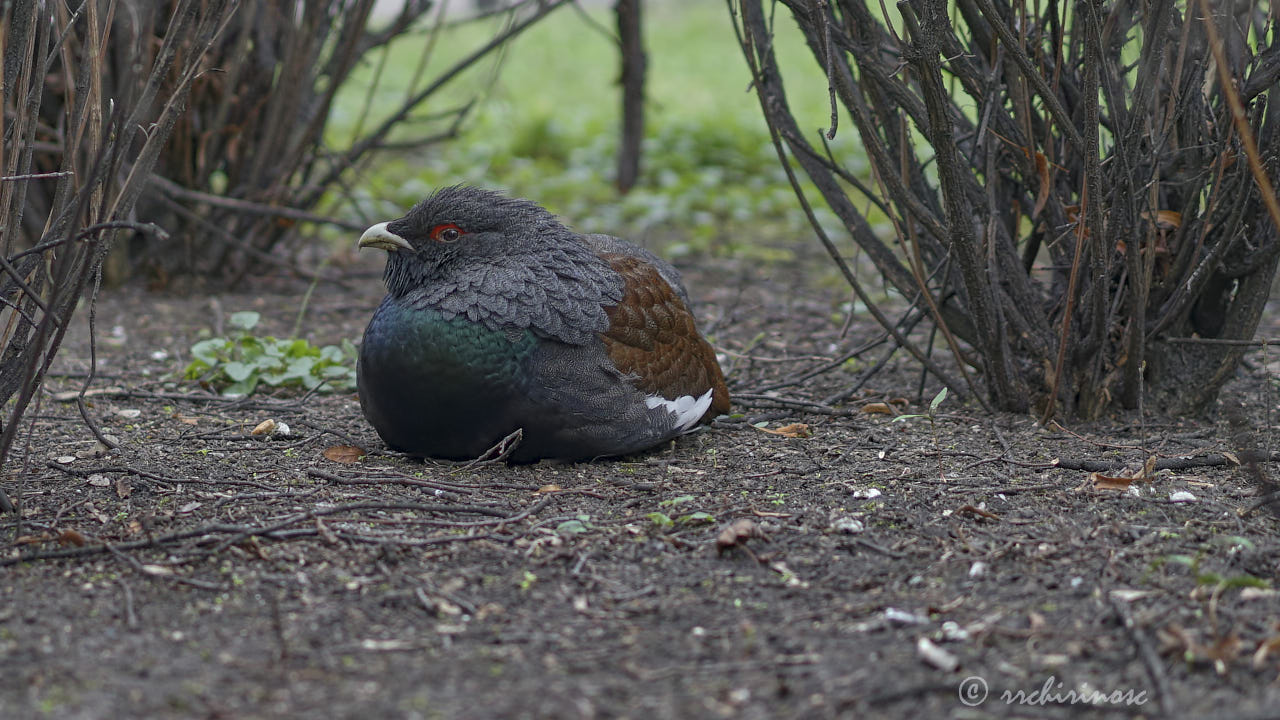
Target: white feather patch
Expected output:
[687,408]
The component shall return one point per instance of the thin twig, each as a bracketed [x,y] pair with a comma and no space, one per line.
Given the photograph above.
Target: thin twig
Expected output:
[1147,654]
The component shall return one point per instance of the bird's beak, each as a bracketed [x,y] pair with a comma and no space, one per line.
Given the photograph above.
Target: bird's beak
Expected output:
[379,236]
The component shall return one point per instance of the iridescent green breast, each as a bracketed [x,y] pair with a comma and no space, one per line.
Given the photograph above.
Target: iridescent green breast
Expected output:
[441,386]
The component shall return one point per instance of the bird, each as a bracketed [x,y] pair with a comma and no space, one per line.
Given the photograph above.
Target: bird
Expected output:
[499,318]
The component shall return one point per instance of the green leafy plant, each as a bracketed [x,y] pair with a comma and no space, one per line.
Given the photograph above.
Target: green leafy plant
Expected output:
[660,519]
[237,364]
[933,408]
[579,525]
[931,415]
[676,501]
[1212,579]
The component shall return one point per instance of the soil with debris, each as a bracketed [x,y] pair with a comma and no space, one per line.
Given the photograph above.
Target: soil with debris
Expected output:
[816,556]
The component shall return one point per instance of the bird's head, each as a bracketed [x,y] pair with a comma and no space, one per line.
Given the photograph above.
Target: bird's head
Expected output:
[460,226]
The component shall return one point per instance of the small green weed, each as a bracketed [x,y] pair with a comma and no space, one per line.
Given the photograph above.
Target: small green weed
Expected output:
[933,409]
[237,364]
[933,428]
[676,501]
[660,519]
[579,525]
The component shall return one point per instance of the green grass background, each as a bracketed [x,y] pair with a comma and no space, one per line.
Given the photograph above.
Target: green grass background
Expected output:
[547,121]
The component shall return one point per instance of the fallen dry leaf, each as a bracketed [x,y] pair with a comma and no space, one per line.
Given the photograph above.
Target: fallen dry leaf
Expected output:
[878,408]
[1223,651]
[97,514]
[1122,482]
[737,533]
[266,427]
[1265,648]
[186,419]
[31,539]
[794,430]
[975,510]
[549,489]
[1106,482]
[1176,640]
[345,454]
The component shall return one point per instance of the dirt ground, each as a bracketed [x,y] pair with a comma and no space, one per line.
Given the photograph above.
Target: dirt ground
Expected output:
[953,568]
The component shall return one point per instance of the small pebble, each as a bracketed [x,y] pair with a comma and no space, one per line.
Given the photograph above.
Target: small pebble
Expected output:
[846,524]
[936,656]
[902,617]
[951,630]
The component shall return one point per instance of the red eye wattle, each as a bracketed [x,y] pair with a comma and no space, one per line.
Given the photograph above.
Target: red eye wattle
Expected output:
[446,233]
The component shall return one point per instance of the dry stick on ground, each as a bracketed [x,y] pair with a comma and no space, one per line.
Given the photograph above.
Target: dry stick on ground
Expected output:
[148,475]
[151,573]
[1246,447]
[753,400]
[240,533]
[384,480]
[1147,654]
[1173,463]
[130,617]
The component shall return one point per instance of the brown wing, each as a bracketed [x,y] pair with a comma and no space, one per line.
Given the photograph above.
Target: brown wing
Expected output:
[652,336]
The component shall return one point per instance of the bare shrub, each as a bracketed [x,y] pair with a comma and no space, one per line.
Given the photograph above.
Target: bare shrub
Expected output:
[87,163]
[1088,219]
[248,162]
[188,135]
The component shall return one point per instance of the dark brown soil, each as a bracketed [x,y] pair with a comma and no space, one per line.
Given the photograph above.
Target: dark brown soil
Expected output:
[873,569]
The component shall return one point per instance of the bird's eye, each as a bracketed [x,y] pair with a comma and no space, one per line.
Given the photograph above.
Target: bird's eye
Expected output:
[446,233]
